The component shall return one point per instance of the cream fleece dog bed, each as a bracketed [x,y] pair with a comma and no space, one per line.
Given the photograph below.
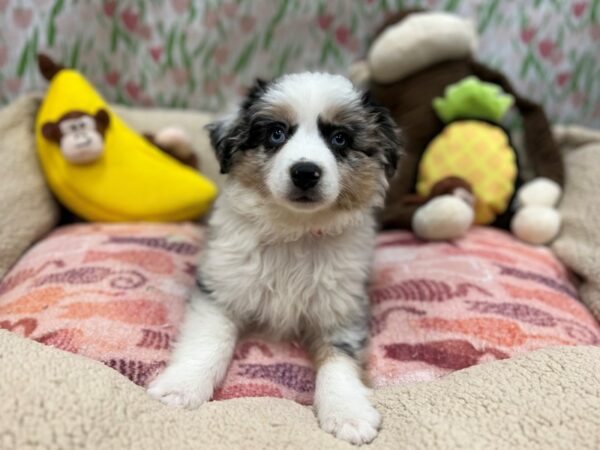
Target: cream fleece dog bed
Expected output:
[54,399]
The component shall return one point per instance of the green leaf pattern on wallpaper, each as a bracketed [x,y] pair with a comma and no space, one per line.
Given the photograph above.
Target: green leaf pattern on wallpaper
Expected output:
[202,54]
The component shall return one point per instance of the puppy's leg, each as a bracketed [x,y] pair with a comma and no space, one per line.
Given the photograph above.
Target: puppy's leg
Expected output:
[200,357]
[341,399]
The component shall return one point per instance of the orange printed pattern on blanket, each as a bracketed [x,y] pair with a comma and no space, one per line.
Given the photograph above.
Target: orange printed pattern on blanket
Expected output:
[151,260]
[132,311]
[34,301]
[116,296]
[496,331]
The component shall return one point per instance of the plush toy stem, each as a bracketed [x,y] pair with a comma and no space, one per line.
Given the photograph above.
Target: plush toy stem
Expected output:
[48,67]
[472,98]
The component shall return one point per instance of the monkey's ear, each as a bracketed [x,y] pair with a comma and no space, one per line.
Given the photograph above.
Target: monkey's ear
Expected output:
[51,131]
[102,120]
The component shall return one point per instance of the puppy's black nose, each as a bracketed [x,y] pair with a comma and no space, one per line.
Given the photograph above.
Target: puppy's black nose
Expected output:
[305,175]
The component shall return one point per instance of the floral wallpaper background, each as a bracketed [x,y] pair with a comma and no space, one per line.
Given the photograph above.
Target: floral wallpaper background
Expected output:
[202,54]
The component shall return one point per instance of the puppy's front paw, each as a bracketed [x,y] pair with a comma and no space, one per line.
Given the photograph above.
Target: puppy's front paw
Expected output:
[177,387]
[349,423]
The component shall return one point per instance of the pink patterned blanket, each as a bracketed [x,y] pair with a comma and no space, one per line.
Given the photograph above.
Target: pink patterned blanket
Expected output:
[116,293]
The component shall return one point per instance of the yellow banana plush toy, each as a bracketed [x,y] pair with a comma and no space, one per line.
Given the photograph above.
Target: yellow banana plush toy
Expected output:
[102,170]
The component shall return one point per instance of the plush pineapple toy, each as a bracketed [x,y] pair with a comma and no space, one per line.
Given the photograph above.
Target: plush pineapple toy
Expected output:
[99,168]
[473,151]
[459,166]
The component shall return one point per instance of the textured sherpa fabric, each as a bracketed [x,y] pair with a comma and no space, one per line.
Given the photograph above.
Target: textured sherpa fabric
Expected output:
[579,242]
[27,209]
[549,399]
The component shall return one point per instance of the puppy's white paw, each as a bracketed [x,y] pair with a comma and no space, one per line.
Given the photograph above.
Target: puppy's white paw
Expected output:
[443,218]
[178,387]
[357,425]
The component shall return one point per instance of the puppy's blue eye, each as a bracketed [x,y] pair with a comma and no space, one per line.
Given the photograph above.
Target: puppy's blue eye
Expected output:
[277,136]
[339,140]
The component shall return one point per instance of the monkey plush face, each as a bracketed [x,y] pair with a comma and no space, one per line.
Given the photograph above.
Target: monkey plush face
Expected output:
[79,135]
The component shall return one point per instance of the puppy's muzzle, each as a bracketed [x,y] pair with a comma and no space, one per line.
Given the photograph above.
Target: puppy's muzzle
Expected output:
[305,175]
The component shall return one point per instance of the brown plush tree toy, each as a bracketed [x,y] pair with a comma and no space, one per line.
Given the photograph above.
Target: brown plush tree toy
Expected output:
[460,167]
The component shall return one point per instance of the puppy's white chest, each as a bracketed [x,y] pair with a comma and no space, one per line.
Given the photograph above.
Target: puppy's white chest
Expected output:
[283,287]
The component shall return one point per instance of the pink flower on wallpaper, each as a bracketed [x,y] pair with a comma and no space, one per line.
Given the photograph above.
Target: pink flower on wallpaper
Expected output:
[112,78]
[13,84]
[579,8]
[22,17]
[3,55]
[230,9]
[562,78]
[220,55]
[247,24]
[133,90]
[546,48]
[130,19]
[180,76]
[180,6]
[156,53]
[549,51]
[3,5]
[342,34]
[324,21]
[527,35]
[109,7]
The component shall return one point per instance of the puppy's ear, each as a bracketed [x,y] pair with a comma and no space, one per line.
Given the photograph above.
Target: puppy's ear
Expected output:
[387,135]
[227,137]
[231,134]
[255,92]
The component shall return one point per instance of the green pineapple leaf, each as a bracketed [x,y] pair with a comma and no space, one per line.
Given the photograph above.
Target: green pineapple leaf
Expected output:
[472,98]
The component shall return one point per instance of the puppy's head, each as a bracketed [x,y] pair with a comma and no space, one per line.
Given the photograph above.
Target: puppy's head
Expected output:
[309,142]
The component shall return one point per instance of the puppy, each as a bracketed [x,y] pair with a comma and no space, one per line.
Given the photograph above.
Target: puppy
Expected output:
[290,243]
